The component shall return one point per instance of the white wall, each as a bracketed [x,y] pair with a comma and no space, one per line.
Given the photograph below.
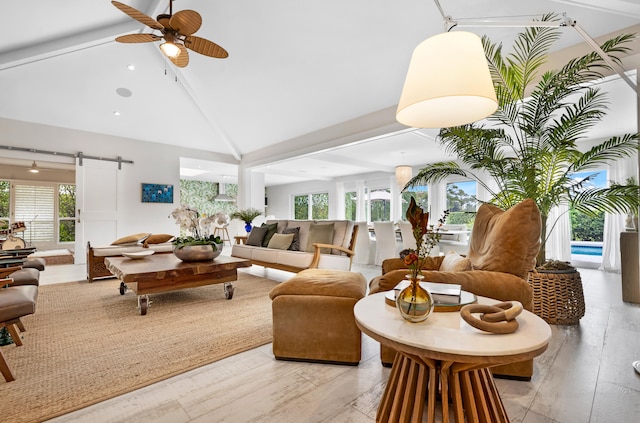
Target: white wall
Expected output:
[153,163]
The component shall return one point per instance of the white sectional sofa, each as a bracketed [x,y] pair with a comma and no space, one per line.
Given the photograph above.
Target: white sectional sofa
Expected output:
[336,253]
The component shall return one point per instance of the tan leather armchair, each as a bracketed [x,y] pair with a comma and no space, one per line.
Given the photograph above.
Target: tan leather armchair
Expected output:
[502,251]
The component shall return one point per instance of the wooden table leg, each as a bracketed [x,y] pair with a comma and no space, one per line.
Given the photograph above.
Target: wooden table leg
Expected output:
[414,380]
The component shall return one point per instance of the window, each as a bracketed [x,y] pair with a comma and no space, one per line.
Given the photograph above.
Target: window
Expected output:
[380,205]
[350,205]
[4,203]
[461,203]
[66,213]
[35,206]
[421,195]
[588,229]
[311,206]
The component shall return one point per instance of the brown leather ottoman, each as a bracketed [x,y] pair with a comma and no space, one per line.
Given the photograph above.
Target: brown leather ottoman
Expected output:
[313,317]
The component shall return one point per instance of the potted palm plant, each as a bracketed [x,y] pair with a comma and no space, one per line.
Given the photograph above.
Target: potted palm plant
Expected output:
[246,216]
[529,148]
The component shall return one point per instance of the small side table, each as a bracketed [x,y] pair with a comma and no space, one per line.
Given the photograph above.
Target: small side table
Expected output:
[445,359]
[241,239]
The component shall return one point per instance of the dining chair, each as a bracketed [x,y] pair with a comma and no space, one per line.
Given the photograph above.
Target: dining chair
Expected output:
[364,246]
[406,231]
[386,246]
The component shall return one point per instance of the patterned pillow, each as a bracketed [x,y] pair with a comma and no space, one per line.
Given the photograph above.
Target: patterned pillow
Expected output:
[295,244]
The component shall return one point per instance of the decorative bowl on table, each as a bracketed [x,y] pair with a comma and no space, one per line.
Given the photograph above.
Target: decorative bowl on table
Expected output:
[198,252]
[135,255]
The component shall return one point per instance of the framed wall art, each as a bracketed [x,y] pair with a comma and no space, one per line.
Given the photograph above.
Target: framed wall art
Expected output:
[157,193]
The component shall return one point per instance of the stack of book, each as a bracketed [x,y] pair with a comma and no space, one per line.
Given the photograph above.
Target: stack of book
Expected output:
[442,293]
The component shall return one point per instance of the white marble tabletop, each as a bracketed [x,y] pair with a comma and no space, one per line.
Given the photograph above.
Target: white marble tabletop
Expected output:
[448,333]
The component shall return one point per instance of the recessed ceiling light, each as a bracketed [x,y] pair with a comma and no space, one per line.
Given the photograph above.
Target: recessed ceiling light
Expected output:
[131,67]
[124,92]
[116,113]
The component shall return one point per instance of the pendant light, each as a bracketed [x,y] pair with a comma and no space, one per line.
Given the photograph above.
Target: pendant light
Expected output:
[34,168]
[448,83]
[404,173]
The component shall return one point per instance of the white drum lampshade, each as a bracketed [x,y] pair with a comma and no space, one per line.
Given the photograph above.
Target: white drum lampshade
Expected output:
[448,83]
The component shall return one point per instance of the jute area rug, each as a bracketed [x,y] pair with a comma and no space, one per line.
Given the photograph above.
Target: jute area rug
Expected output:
[87,343]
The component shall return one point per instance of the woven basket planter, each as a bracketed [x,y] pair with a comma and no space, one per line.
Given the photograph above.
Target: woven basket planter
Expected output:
[557,296]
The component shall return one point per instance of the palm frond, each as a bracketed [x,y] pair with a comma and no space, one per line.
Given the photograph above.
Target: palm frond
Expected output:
[610,150]
[436,172]
[620,199]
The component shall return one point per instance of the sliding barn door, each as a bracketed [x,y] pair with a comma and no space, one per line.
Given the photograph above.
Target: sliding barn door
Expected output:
[97,192]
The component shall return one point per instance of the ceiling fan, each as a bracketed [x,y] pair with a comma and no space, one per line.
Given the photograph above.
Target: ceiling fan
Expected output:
[177,32]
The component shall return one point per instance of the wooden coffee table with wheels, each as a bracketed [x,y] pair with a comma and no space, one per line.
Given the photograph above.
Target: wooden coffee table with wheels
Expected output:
[165,272]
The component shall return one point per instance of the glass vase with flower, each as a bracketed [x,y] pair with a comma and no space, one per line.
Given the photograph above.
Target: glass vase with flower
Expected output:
[414,302]
[195,242]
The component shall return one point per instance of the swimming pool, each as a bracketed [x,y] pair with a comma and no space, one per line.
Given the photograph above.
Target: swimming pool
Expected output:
[587,250]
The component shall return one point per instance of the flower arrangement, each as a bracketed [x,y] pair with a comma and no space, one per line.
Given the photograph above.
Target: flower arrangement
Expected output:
[426,236]
[190,221]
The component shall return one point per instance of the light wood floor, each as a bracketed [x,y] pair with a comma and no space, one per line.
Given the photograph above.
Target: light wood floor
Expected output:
[584,376]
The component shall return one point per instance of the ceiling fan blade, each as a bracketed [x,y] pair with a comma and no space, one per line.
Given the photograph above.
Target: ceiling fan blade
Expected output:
[138,38]
[186,22]
[138,15]
[183,58]
[206,47]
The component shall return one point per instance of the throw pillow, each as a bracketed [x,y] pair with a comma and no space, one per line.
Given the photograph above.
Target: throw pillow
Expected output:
[271,229]
[321,234]
[280,241]
[158,238]
[256,236]
[454,262]
[295,244]
[131,239]
[506,241]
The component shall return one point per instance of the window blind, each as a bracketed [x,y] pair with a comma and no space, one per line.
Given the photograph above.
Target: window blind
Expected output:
[35,206]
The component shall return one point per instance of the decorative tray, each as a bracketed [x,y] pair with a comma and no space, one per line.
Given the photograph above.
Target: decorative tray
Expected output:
[138,254]
[440,306]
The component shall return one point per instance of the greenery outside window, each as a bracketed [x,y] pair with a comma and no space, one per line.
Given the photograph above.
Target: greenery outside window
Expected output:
[585,227]
[311,206]
[462,203]
[66,213]
[420,194]
[350,205]
[380,205]
[5,203]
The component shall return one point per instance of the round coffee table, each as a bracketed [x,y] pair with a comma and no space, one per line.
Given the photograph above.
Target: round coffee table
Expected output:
[445,358]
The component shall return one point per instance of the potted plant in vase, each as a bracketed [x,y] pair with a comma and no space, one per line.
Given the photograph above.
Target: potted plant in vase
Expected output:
[246,216]
[529,147]
[200,244]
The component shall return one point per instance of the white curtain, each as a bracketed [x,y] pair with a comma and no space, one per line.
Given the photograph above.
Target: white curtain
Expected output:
[340,206]
[396,201]
[361,204]
[558,244]
[615,223]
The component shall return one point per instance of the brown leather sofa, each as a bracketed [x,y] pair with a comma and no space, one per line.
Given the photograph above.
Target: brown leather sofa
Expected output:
[502,251]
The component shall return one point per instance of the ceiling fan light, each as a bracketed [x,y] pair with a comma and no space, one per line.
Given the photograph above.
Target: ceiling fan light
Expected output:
[170,49]
[34,168]
[448,83]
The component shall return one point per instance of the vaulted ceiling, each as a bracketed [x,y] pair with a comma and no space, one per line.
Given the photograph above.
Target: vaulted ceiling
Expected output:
[316,81]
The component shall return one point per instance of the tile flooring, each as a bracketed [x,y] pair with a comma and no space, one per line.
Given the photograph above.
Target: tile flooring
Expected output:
[584,376]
